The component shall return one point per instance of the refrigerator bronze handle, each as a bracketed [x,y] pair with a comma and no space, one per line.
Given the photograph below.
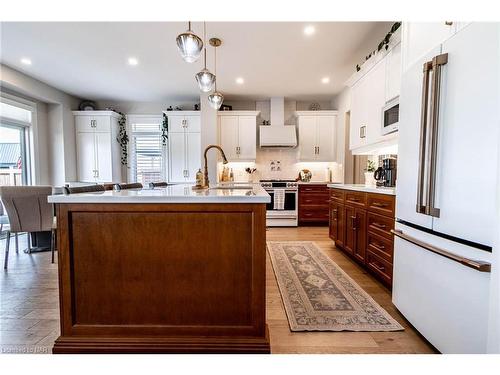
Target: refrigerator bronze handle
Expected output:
[478,265]
[423,137]
[437,63]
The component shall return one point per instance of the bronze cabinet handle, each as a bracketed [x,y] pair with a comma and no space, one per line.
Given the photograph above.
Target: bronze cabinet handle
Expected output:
[378,246]
[353,199]
[377,204]
[380,268]
[378,225]
[353,222]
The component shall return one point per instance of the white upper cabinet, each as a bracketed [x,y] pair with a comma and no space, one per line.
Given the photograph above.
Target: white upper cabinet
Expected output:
[98,152]
[184,145]
[393,73]
[183,121]
[238,135]
[317,131]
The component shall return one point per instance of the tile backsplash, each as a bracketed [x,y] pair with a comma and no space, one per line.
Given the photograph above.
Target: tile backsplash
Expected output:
[282,164]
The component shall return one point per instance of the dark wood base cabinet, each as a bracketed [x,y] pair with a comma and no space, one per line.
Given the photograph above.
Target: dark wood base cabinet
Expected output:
[313,204]
[162,278]
[360,225]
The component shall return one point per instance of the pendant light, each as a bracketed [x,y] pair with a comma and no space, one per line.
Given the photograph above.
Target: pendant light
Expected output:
[216,98]
[190,45]
[205,79]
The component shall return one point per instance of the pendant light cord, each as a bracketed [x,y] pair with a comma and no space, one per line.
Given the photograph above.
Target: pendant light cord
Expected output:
[205,43]
[215,68]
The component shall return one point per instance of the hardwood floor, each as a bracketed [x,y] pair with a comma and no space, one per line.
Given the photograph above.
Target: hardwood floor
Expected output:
[29,311]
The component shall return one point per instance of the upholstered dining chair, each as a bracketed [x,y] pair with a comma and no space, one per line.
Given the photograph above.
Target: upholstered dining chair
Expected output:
[4,220]
[28,211]
[134,185]
[153,185]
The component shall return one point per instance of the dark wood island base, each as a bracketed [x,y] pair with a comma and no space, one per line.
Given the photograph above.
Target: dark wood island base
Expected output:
[162,278]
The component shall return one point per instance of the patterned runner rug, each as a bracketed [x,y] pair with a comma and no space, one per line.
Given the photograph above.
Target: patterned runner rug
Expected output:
[319,296]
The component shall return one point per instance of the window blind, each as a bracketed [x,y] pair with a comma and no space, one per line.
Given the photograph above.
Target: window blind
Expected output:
[147,156]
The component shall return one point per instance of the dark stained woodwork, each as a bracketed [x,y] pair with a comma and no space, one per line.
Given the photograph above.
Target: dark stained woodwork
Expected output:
[171,278]
[313,204]
[367,221]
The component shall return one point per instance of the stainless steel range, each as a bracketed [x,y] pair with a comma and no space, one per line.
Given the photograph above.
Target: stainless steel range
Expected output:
[282,211]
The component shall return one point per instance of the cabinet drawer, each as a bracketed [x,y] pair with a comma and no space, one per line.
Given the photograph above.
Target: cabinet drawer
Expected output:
[314,189]
[355,198]
[314,214]
[381,268]
[337,195]
[381,203]
[381,246]
[314,199]
[380,225]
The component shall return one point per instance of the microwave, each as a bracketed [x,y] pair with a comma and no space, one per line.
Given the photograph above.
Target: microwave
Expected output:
[390,116]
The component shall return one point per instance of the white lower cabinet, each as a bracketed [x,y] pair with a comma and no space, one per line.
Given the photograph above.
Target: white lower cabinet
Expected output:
[184,146]
[238,135]
[317,139]
[98,152]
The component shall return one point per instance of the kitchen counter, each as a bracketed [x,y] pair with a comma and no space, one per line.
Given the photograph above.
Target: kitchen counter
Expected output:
[168,270]
[362,187]
[171,194]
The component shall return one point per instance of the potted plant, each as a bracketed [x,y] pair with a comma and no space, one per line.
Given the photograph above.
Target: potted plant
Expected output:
[369,171]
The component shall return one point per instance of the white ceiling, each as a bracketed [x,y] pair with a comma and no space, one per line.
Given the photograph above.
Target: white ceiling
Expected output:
[89,59]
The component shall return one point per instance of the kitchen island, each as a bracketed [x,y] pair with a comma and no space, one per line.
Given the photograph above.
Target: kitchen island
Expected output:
[168,270]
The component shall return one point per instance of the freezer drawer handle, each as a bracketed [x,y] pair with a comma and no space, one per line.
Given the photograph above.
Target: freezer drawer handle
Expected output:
[471,263]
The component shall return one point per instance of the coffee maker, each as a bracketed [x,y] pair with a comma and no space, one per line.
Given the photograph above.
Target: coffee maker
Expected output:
[386,174]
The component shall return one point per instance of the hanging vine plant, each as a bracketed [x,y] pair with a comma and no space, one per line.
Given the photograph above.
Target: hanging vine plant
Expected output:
[383,44]
[122,138]
[164,130]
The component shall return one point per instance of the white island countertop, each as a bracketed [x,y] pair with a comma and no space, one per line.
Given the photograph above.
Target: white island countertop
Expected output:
[171,194]
[362,187]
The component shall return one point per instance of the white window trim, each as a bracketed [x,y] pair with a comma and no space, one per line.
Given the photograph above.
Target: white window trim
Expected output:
[32,150]
[144,118]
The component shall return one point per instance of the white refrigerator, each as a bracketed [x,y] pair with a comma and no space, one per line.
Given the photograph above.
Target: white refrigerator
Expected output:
[447,189]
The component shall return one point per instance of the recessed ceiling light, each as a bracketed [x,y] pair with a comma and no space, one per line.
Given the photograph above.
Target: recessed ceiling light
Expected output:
[309,30]
[133,61]
[240,81]
[325,80]
[26,61]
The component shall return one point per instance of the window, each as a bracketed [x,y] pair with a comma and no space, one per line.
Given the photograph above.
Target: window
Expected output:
[15,126]
[147,153]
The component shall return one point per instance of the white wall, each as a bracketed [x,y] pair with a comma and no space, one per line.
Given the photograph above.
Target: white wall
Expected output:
[342,102]
[143,108]
[58,133]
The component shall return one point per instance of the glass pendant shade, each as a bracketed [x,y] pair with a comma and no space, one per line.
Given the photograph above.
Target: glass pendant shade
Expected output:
[206,80]
[215,100]
[189,45]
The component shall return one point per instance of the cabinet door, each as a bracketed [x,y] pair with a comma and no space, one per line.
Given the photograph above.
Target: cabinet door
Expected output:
[193,155]
[349,229]
[374,102]
[193,124]
[421,37]
[336,230]
[176,158]
[326,138]
[103,157]
[85,148]
[307,138]
[358,114]
[102,123]
[84,123]
[247,137]
[360,235]
[176,124]
[228,129]
[393,73]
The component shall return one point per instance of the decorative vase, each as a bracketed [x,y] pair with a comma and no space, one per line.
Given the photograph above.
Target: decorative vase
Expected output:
[369,179]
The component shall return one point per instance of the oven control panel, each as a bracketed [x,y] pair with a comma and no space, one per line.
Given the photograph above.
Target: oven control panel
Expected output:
[278,184]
